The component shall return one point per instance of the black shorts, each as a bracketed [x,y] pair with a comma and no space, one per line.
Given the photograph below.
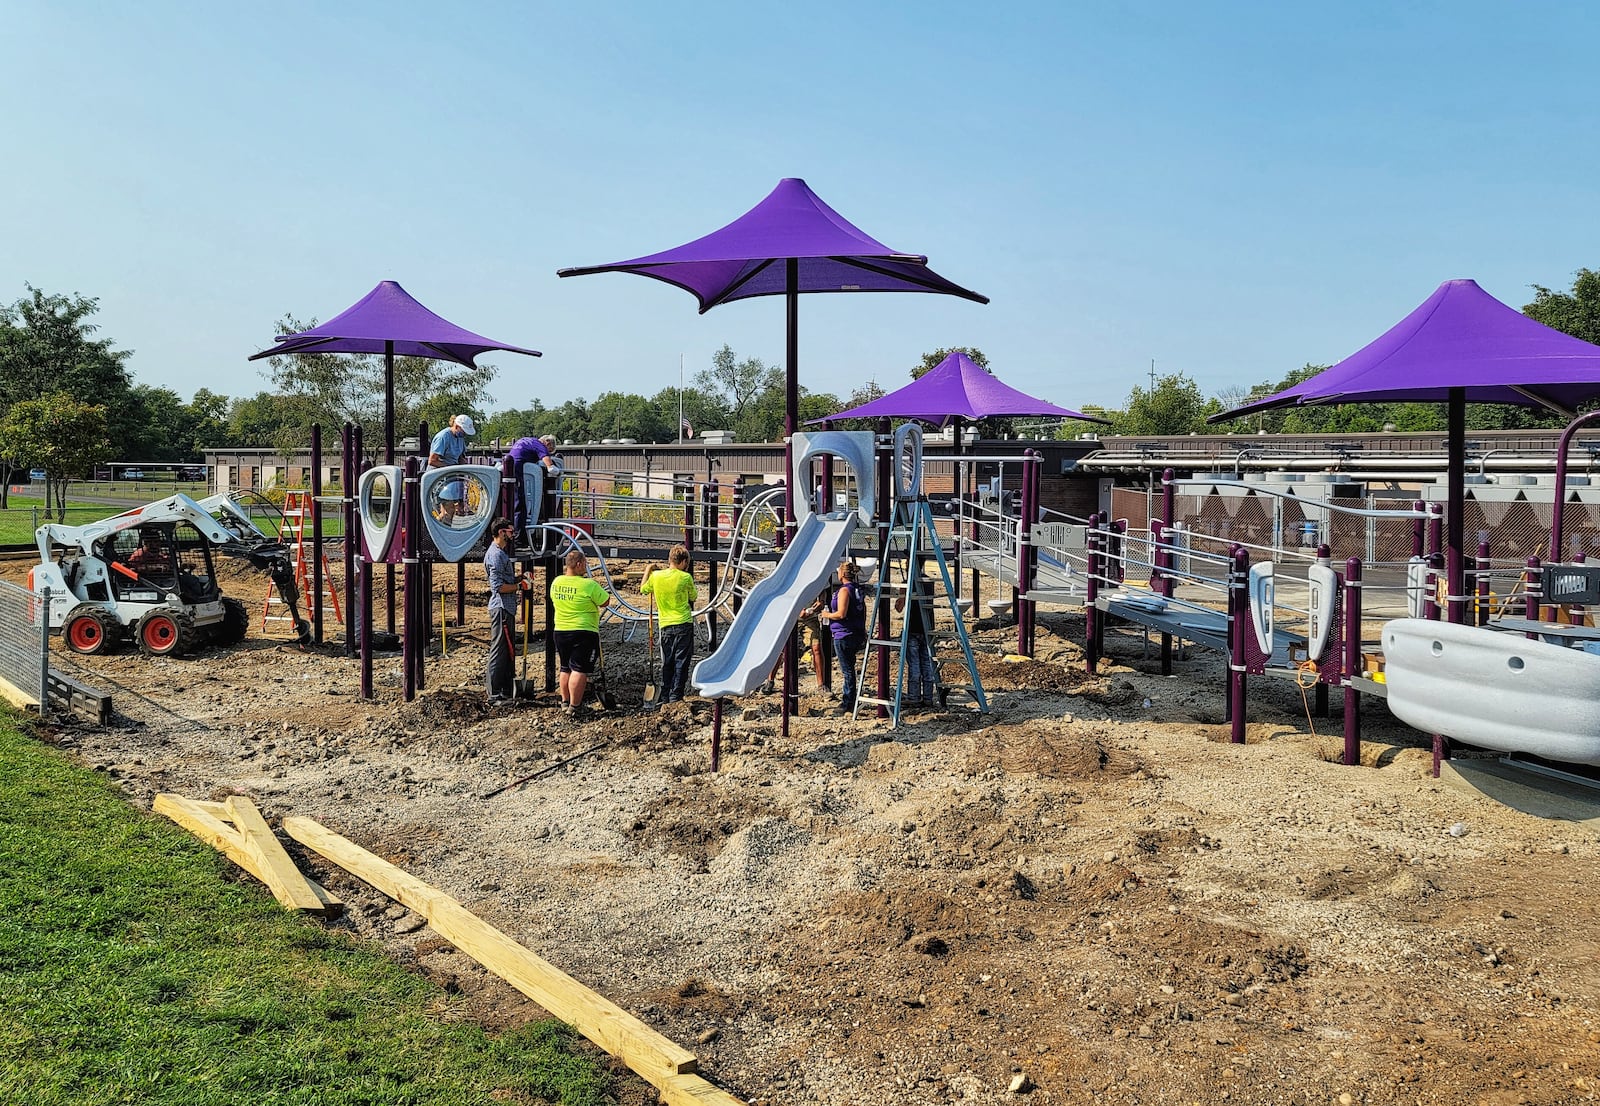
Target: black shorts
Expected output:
[577,650]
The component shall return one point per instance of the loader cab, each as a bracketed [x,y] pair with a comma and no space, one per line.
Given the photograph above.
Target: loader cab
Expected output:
[152,561]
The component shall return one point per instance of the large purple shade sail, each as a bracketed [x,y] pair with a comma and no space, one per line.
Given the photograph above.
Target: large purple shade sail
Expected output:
[957,387]
[1458,338]
[388,320]
[749,256]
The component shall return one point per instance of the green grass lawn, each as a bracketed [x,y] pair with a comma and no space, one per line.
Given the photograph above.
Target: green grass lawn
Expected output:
[25,513]
[131,971]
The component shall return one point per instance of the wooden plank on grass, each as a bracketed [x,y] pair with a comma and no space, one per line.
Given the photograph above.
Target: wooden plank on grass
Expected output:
[193,816]
[652,1056]
[274,866]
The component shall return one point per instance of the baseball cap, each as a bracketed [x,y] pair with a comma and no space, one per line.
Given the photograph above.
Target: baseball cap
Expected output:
[468,427]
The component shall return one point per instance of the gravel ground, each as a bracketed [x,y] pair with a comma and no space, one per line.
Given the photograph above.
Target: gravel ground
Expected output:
[1085,894]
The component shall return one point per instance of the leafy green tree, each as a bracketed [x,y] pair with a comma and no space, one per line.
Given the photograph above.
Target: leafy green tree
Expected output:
[625,415]
[1173,405]
[513,423]
[1576,313]
[705,411]
[931,360]
[208,423]
[570,421]
[59,434]
[280,422]
[739,386]
[47,346]
[162,426]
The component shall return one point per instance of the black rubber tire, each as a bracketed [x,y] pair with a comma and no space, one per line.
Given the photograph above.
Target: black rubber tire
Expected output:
[164,632]
[90,630]
[235,622]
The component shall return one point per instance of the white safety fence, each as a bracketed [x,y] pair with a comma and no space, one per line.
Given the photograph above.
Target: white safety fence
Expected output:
[25,643]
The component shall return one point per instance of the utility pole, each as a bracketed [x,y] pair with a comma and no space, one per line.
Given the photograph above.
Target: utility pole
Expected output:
[1152,374]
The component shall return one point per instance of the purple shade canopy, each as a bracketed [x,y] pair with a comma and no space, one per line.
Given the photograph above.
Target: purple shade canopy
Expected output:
[957,387]
[746,257]
[388,320]
[1459,338]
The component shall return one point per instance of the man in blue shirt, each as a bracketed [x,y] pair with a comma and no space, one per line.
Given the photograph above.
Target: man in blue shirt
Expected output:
[447,448]
[505,588]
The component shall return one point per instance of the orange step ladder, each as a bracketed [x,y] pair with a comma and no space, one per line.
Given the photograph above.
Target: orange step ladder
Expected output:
[297,509]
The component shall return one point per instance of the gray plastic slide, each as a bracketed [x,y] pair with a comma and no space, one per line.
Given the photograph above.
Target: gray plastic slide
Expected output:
[756,638]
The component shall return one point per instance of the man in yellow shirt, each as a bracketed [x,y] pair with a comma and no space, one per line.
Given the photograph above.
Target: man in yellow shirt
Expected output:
[577,600]
[675,595]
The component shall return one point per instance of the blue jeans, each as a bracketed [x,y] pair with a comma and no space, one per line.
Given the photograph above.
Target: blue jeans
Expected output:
[677,649]
[847,649]
[921,679]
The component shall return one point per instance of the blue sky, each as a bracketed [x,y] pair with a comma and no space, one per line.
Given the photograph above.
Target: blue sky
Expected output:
[1230,190]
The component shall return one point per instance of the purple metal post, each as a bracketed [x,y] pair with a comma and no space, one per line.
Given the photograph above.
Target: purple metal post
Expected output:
[1533,594]
[1026,511]
[1353,664]
[1239,608]
[882,510]
[1091,593]
[316,532]
[352,533]
[716,734]
[409,646]
[1558,514]
[1417,545]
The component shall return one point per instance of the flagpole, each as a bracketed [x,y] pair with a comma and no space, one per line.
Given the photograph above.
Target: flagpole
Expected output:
[680,399]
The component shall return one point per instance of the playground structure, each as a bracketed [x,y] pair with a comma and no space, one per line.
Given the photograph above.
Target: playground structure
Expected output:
[1305,618]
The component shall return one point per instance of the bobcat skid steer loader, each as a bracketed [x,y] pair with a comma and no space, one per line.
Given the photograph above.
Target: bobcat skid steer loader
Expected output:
[148,574]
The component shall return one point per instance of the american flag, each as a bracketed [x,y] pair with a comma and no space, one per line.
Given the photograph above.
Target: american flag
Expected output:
[683,423]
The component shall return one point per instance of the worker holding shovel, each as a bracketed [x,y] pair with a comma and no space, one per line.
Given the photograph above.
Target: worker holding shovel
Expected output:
[577,600]
[505,588]
[673,590]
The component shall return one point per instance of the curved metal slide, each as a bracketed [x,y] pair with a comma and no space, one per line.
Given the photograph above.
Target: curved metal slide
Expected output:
[756,638]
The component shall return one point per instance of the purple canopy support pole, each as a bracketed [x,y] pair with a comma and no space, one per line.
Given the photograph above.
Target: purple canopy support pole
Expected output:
[1558,511]
[1435,530]
[352,531]
[1239,605]
[1353,664]
[881,510]
[1417,545]
[1025,558]
[1091,593]
[791,384]
[316,532]
[408,641]
[1456,519]
[716,734]
[1480,584]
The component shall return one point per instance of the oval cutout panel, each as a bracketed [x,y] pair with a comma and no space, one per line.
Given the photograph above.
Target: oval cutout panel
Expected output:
[458,503]
[378,502]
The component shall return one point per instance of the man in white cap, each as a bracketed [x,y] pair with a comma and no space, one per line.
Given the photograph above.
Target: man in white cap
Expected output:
[448,447]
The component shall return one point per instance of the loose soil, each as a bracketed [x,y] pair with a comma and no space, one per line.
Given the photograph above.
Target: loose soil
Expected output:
[1085,895]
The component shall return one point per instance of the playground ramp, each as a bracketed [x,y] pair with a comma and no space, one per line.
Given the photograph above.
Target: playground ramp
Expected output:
[756,638]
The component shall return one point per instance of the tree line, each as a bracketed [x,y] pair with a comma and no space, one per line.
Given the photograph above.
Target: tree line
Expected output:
[68,400]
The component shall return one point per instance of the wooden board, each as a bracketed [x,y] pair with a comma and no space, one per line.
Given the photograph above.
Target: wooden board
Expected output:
[226,839]
[665,1065]
[275,868]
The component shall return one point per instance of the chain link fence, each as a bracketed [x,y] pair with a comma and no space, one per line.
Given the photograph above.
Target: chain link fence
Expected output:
[24,643]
